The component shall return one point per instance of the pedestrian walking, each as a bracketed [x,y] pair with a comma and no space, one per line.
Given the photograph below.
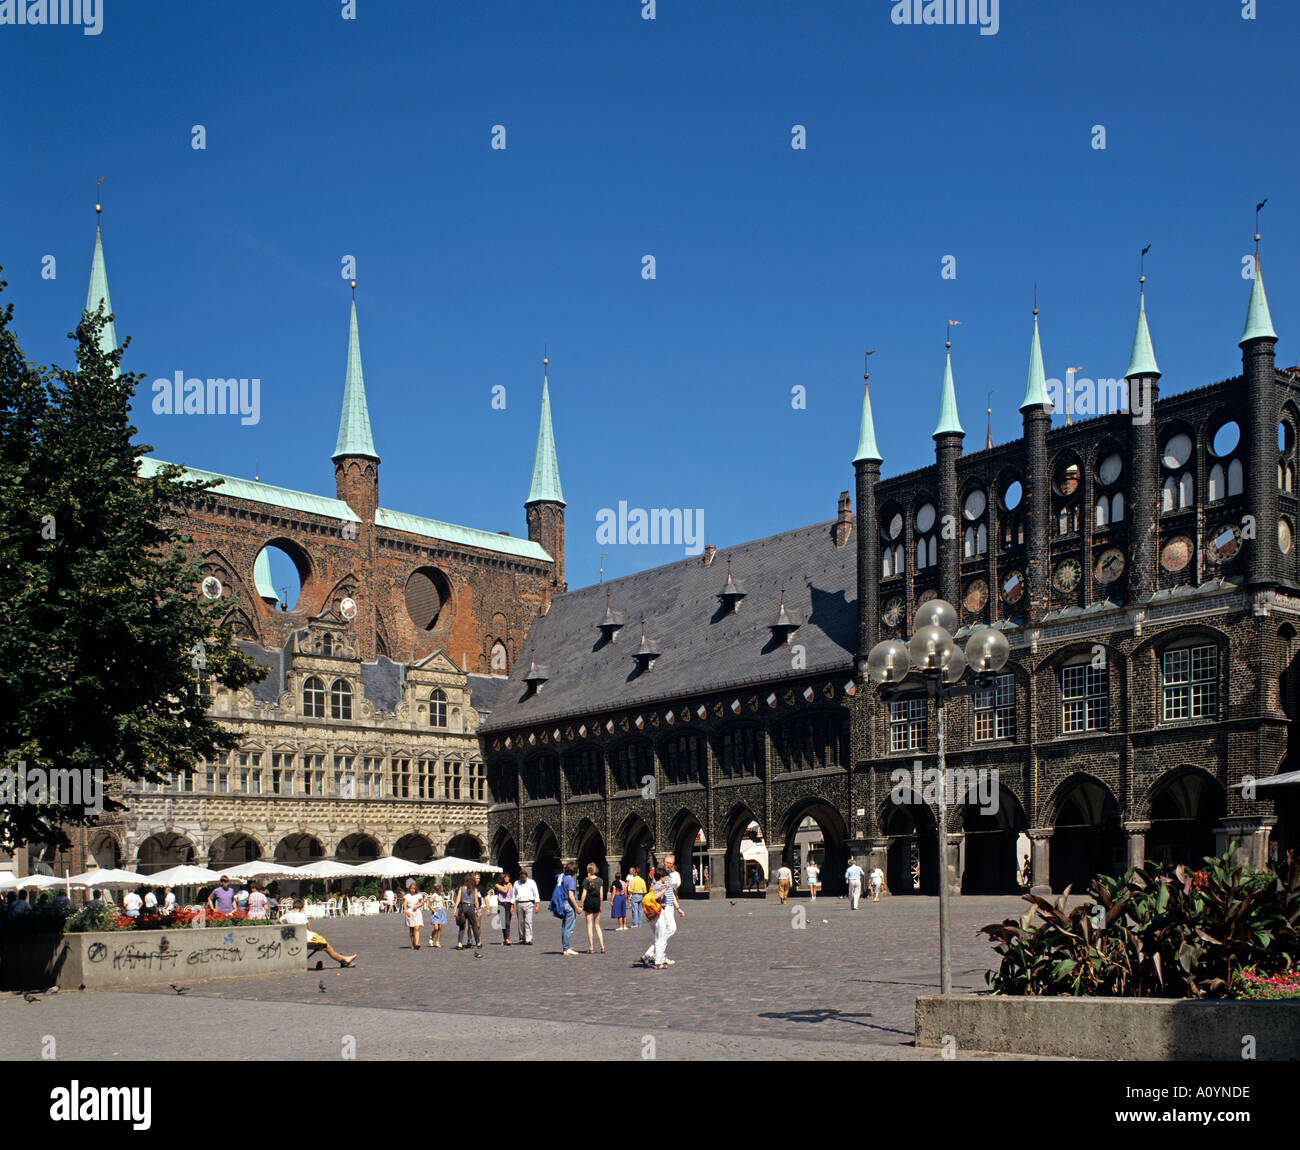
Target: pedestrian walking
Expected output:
[783,880]
[469,903]
[666,924]
[593,894]
[437,905]
[412,902]
[636,889]
[877,881]
[814,879]
[505,904]
[258,903]
[853,876]
[526,897]
[618,901]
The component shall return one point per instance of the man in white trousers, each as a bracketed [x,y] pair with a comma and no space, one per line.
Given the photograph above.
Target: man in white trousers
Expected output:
[853,876]
[666,924]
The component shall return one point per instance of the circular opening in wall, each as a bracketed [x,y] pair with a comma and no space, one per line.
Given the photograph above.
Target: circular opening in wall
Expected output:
[1178,450]
[925,517]
[1110,468]
[279,573]
[1226,439]
[974,506]
[1285,536]
[1011,496]
[427,594]
[1067,479]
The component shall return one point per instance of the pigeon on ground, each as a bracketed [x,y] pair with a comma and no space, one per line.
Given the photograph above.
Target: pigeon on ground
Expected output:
[53,990]
[322,988]
[178,989]
[30,998]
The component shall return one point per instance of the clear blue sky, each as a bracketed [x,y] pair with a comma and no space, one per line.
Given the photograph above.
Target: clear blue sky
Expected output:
[626,137]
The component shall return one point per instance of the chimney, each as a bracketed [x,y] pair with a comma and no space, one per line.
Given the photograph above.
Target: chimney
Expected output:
[709,552]
[844,521]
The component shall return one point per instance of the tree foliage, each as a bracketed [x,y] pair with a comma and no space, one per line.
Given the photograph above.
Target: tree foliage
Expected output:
[106,647]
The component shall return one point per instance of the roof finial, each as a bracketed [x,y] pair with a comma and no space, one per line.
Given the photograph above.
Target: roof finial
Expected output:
[1035,297]
[353,285]
[603,556]
[546,359]
[947,342]
[1142,259]
[1258,206]
[98,206]
[866,364]
[988,436]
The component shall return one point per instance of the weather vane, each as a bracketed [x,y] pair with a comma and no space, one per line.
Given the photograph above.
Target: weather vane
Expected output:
[1258,206]
[947,337]
[1142,277]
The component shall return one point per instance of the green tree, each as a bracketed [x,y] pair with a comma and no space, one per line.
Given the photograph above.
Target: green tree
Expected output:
[106,648]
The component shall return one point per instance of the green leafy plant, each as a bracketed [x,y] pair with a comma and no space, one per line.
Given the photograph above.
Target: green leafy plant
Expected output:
[1166,932]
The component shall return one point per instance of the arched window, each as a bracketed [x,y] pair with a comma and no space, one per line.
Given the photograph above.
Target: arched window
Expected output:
[934,550]
[498,662]
[437,708]
[743,752]
[313,698]
[1063,524]
[327,644]
[1102,516]
[1234,477]
[920,560]
[1187,492]
[340,699]
[1117,507]
[631,765]
[1167,494]
[981,539]
[887,564]
[898,559]
[1215,489]
[683,759]
[968,544]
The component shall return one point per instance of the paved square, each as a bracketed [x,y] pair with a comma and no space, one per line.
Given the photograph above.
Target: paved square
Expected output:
[748,981]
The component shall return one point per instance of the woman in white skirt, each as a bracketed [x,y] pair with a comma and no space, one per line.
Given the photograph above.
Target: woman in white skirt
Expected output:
[413,901]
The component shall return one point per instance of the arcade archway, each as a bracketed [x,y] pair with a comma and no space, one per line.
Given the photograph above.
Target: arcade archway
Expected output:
[1087,839]
[1186,808]
[161,851]
[746,856]
[638,846]
[546,860]
[591,849]
[815,832]
[912,865]
[989,846]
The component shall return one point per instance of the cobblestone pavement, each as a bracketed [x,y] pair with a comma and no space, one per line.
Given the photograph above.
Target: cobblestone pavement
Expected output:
[748,981]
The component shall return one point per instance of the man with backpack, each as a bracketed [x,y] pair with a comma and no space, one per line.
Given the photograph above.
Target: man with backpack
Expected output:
[564,905]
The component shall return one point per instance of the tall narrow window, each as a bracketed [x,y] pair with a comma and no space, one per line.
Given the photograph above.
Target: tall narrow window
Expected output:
[995,710]
[907,725]
[437,708]
[313,698]
[340,699]
[1085,702]
[1191,683]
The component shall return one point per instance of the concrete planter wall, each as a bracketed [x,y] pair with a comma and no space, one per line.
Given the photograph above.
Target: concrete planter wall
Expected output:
[1144,1029]
[107,959]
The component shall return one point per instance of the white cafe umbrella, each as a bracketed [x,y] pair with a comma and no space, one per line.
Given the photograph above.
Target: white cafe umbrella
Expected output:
[187,874]
[452,865]
[390,866]
[8,880]
[324,868]
[107,878]
[261,869]
[42,881]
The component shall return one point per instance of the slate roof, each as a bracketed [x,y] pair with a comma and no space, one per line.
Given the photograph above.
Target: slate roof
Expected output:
[485,690]
[382,679]
[701,649]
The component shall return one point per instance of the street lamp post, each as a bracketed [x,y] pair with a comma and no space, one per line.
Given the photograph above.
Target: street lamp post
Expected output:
[934,655]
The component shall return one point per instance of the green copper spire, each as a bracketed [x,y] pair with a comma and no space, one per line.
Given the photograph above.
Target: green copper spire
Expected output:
[867,449]
[1259,324]
[1142,360]
[354,424]
[546,469]
[948,421]
[1036,388]
[99,291]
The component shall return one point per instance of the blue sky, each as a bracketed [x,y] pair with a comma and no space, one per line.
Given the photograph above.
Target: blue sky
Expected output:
[627,137]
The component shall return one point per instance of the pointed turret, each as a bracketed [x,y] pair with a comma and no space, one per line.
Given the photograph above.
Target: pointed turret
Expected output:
[867,448]
[546,468]
[1036,387]
[1142,359]
[544,507]
[949,424]
[354,424]
[98,293]
[1259,324]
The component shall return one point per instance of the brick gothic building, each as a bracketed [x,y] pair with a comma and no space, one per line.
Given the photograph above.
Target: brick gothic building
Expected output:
[1142,566]
[361,739]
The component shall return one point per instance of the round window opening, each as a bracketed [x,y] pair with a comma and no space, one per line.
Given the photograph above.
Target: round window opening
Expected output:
[1226,439]
[427,595]
[1011,496]
[1178,450]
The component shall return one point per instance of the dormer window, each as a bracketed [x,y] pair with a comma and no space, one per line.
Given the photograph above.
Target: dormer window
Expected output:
[646,654]
[536,677]
[785,625]
[732,593]
[611,623]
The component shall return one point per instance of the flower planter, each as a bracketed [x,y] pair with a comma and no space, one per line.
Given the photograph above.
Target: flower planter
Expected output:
[1144,1029]
[123,958]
